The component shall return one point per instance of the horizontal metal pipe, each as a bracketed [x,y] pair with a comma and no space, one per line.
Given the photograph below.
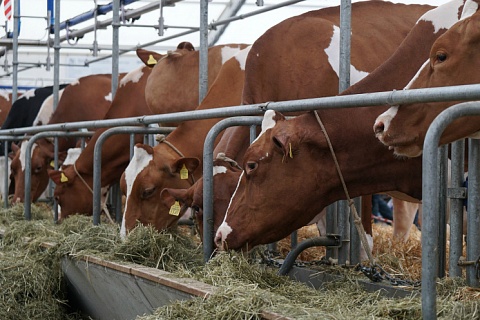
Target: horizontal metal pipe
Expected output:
[148,44]
[453,93]
[135,13]
[99,10]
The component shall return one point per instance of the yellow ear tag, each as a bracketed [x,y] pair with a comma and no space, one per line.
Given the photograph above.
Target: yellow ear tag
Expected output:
[175,209]
[63,178]
[52,164]
[151,60]
[184,172]
[290,152]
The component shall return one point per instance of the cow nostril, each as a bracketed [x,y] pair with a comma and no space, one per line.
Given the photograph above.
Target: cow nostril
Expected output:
[379,127]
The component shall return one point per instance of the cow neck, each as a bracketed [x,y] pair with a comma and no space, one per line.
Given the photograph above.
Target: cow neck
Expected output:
[356,218]
[104,207]
[162,139]
[367,165]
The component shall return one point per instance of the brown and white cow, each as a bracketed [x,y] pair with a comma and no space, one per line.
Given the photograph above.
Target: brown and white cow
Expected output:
[174,71]
[182,64]
[88,98]
[175,161]
[289,173]
[5,105]
[272,85]
[73,194]
[454,60]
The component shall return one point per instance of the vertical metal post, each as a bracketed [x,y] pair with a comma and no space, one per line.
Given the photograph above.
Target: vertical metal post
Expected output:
[56,56]
[473,211]
[331,229]
[343,230]
[430,223]
[55,163]
[16,32]
[161,26]
[132,145]
[115,45]
[203,63]
[355,243]
[442,203]
[345,43]
[456,209]
[114,192]
[7,174]
[344,83]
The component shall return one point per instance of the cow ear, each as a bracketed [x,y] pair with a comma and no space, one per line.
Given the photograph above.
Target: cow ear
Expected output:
[149,58]
[182,164]
[57,176]
[472,30]
[282,144]
[62,156]
[186,45]
[169,196]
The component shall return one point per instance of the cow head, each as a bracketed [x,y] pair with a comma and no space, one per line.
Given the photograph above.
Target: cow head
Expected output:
[225,177]
[71,194]
[276,167]
[454,59]
[147,174]
[41,157]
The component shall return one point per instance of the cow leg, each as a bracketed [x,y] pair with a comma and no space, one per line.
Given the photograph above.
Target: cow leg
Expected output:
[403,215]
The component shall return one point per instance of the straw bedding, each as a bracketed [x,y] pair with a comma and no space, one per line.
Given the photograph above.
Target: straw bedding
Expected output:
[32,287]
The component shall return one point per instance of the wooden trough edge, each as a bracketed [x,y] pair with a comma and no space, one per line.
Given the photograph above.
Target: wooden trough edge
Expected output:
[186,286]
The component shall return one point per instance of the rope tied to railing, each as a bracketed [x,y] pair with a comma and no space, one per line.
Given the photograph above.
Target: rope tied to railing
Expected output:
[356,218]
[223,157]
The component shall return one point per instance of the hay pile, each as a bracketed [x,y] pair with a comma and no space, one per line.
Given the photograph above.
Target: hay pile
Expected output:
[31,281]
[245,290]
[32,287]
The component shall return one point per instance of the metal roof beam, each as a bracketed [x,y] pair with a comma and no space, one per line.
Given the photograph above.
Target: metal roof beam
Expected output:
[231,10]
[130,14]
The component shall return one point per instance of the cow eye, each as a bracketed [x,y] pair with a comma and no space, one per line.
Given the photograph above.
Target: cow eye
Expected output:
[195,208]
[38,169]
[441,56]
[147,193]
[251,166]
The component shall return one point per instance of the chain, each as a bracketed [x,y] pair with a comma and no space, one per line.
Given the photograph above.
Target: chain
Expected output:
[377,274]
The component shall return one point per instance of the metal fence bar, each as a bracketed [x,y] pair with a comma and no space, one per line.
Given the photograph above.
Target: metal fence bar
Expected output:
[456,208]
[453,93]
[442,202]
[430,187]
[473,213]
[28,162]
[97,160]
[208,147]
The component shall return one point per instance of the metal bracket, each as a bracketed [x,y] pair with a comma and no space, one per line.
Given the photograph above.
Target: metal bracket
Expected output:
[457,193]
[463,263]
